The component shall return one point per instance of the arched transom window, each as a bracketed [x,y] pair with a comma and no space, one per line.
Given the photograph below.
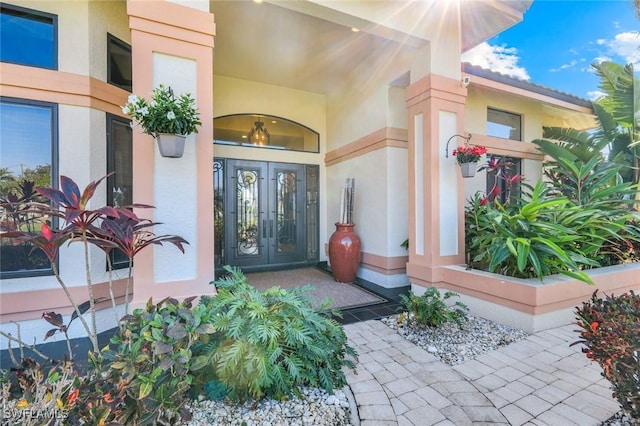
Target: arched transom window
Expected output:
[264,131]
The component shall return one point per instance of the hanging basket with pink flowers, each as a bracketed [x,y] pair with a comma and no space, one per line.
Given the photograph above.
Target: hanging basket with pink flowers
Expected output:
[467,157]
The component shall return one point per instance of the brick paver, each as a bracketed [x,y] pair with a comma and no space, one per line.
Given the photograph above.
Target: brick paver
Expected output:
[540,380]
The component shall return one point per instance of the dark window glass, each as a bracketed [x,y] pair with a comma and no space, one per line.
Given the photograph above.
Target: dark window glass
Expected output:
[502,124]
[264,131]
[28,146]
[118,63]
[28,37]
[120,162]
[503,182]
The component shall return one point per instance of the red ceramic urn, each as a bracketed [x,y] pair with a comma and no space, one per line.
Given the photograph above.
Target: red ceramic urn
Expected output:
[344,253]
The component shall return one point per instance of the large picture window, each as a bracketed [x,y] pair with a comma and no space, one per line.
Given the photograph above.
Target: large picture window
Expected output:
[28,37]
[28,158]
[120,163]
[505,125]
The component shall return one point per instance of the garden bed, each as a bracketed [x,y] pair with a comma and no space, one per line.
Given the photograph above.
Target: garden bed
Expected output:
[529,304]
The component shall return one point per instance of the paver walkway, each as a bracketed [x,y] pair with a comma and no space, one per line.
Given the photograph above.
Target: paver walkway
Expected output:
[536,381]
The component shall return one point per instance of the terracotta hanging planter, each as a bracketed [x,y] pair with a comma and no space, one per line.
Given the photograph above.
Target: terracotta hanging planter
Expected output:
[468,169]
[170,144]
[344,253]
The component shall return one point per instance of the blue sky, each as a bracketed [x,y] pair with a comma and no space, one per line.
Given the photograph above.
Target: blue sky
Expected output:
[558,40]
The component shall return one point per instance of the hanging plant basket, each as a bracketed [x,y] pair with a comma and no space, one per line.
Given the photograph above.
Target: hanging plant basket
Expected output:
[170,144]
[468,169]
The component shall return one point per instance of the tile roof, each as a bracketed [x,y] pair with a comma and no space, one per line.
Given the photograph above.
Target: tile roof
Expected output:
[523,84]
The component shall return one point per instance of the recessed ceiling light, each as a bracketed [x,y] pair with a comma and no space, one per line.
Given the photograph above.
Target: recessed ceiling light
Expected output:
[354,29]
[244,136]
[257,1]
[273,121]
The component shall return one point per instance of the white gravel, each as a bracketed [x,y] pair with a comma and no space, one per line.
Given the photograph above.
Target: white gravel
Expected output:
[317,408]
[454,345]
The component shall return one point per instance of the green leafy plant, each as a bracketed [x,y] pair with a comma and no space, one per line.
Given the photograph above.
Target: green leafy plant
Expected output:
[164,113]
[611,337]
[540,235]
[149,368]
[431,308]
[271,342]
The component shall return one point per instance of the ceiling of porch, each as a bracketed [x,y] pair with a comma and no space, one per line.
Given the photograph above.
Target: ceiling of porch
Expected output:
[310,45]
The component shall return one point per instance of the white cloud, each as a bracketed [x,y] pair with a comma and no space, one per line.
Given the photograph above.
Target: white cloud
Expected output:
[500,59]
[571,64]
[626,46]
[594,95]
[623,47]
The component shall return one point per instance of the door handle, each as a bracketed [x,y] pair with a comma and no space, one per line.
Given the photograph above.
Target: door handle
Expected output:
[264,228]
[271,228]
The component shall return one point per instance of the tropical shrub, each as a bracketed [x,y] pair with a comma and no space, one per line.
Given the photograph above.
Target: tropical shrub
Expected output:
[37,394]
[611,337]
[431,308]
[618,128]
[271,342]
[541,235]
[148,370]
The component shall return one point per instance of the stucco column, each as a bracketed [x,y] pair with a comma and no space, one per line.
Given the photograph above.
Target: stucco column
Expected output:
[172,44]
[436,192]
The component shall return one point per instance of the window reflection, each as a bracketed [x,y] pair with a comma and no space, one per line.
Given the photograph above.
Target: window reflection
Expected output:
[28,37]
[26,145]
[502,124]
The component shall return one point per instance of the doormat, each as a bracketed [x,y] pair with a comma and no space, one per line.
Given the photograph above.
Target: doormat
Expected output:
[342,295]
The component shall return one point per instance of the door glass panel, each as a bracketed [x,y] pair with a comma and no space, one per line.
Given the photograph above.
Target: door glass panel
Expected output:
[313,229]
[247,212]
[286,212]
[218,211]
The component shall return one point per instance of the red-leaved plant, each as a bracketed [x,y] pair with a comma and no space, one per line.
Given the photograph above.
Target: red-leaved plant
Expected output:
[610,333]
[106,227]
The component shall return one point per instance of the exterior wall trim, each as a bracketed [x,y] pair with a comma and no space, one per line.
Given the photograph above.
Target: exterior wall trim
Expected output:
[498,146]
[384,265]
[382,138]
[29,305]
[19,81]
[187,24]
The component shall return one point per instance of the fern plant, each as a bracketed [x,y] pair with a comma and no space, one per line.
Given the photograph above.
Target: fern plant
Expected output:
[271,342]
[431,309]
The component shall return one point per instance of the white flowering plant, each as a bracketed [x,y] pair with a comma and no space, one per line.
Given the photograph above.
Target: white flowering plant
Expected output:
[164,113]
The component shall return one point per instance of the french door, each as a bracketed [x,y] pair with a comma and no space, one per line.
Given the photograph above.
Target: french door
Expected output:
[266,214]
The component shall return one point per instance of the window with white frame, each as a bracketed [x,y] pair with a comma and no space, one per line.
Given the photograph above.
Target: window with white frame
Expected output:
[28,37]
[28,159]
[503,124]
